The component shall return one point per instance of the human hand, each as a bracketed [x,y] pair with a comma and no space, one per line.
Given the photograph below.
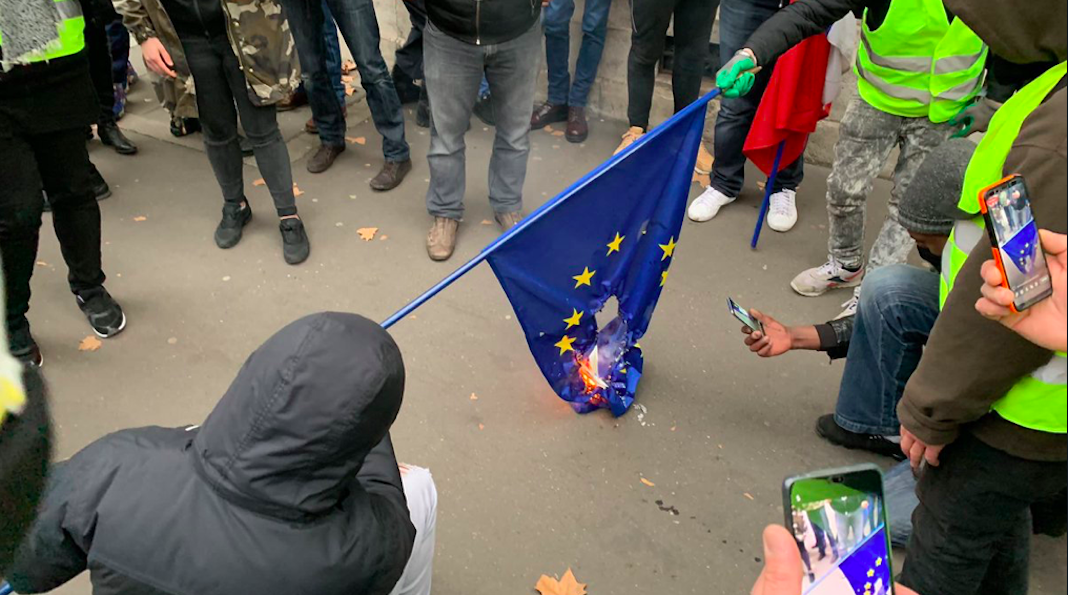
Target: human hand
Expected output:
[919,451]
[1044,323]
[974,117]
[157,59]
[737,76]
[775,340]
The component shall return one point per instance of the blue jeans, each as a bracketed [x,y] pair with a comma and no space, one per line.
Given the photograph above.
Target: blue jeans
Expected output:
[898,308]
[454,72]
[557,19]
[333,54]
[899,491]
[738,19]
[359,27]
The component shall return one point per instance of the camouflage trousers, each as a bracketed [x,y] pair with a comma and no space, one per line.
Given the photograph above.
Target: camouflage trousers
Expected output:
[866,138]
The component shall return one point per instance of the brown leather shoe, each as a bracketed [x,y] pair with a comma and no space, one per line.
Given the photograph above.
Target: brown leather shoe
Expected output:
[324,158]
[441,241]
[508,220]
[312,128]
[577,127]
[391,175]
[629,138]
[547,113]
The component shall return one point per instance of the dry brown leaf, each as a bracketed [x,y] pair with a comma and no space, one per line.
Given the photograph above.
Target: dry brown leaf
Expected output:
[348,66]
[140,218]
[259,182]
[297,191]
[748,495]
[383,237]
[568,585]
[360,140]
[557,132]
[42,263]
[487,222]
[549,128]
[473,397]
[367,233]
[89,343]
[481,427]
[648,483]
[349,90]
[762,185]
[347,78]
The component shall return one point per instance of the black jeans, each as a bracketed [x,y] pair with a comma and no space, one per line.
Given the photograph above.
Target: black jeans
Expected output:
[58,163]
[98,47]
[408,61]
[649,25]
[220,86]
[972,529]
[738,19]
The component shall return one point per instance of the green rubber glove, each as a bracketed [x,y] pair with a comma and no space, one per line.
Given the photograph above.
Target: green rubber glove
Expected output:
[975,117]
[734,79]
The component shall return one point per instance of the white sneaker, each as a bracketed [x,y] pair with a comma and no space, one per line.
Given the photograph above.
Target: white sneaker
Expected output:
[782,214]
[706,206]
[828,276]
[850,307]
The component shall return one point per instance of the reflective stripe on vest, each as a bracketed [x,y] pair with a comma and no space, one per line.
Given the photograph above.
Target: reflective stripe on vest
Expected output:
[1039,401]
[70,39]
[919,64]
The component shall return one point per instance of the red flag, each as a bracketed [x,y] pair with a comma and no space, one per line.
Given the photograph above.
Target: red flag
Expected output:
[791,106]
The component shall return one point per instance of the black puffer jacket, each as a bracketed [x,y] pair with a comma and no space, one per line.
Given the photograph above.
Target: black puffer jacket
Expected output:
[290,486]
[484,22]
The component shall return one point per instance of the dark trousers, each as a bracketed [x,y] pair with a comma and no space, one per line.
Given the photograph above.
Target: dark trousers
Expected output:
[649,26]
[220,87]
[408,61]
[58,163]
[738,19]
[359,26]
[98,47]
[972,529]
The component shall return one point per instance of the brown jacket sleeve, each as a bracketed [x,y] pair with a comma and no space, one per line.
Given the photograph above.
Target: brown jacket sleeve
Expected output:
[971,362]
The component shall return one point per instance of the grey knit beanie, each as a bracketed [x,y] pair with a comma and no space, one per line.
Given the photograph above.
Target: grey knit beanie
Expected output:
[929,205]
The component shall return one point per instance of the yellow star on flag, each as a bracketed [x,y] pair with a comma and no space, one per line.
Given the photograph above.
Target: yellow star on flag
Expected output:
[871,572]
[879,562]
[584,278]
[565,344]
[613,246]
[668,248]
[574,320]
[663,278]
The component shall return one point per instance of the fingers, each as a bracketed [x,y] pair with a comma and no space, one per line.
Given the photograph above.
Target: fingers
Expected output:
[746,330]
[916,453]
[930,454]
[1055,244]
[991,310]
[992,274]
[906,441]
[783,571]
[999,296]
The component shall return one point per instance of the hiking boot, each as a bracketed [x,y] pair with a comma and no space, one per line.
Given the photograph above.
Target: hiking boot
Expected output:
[830,431]
[704,162]
[295,245]
[484,111]
[707,206]
[441,241]
[102,312]
[234,219]
[391,175]
[629,137]
[547,113]
[578,129]
[829,275]
[112,136]
[508,220]
[323,158]
[22,345]
[782,212]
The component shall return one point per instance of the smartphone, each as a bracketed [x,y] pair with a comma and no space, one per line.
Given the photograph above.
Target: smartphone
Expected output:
[838,518]
[1014,237]
[742,314]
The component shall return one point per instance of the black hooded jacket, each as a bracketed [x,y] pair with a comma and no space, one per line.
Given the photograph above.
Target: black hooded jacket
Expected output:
[290,485]
[484,22]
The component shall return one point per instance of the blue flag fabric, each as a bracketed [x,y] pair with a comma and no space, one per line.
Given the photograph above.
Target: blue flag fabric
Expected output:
[612,233]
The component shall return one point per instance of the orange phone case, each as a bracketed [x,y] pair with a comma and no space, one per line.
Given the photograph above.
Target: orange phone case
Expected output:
[993,236]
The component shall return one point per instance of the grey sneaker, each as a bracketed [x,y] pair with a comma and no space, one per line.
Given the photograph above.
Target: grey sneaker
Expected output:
[508,220]
[830,275]
[441,241]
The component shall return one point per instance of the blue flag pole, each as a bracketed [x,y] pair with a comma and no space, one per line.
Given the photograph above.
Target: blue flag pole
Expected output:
[538,214]
[767,195]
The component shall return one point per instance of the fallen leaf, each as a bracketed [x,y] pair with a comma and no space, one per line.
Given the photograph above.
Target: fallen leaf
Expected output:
[748,495]
[259,182]
[226,278]
[762,185]
[568,585]
[487,222]
[347,78]
[549,128]
[349,90]
[42,263]
[89,343]
[172,341]
[473,397]
[673,428]
[140,218]
[481,427]
[348,66]
[360,140]
[648,483]
[367,233]
[297,191]
[383,237]
[351,140]
[558,133]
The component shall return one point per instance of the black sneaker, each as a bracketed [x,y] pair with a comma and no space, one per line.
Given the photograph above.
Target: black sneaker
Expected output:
[23,347]
[103,312]
[295,246]
[830,431]
[484,110]
[234,220]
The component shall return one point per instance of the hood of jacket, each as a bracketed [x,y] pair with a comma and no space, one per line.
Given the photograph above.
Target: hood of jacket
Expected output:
[293,429]
[1020,32]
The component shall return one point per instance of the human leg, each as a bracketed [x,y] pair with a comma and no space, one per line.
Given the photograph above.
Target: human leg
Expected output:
[511,69]
[422,497]
[594,32]
[557,20]
[21,205]
[692,29]
[333,53]
[307,22]
[408,60]
[649,25]
[359,27]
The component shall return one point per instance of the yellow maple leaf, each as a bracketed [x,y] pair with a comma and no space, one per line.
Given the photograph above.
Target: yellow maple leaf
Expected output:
[89,343]
[568,585]
[297,191]
[367,233]
[140,218]
[259,182]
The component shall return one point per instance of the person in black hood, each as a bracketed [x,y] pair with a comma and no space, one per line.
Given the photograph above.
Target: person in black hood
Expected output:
[289,486]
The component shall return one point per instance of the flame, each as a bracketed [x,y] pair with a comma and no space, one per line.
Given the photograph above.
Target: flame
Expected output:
[587,369]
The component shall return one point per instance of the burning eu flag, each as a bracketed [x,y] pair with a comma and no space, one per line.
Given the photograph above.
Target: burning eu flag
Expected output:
[612,234]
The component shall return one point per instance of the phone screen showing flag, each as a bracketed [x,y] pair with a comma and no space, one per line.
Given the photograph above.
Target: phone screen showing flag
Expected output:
[1022,259]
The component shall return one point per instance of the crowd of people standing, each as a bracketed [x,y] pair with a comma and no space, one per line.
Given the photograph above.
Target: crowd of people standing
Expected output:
[918,384]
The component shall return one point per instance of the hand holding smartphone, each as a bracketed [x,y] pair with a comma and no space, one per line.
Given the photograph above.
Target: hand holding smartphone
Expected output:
[1018,253]
[743,315]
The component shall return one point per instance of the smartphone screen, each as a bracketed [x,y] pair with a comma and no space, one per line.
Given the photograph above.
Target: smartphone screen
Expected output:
[1014,232]
[838,519]
[743,315]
